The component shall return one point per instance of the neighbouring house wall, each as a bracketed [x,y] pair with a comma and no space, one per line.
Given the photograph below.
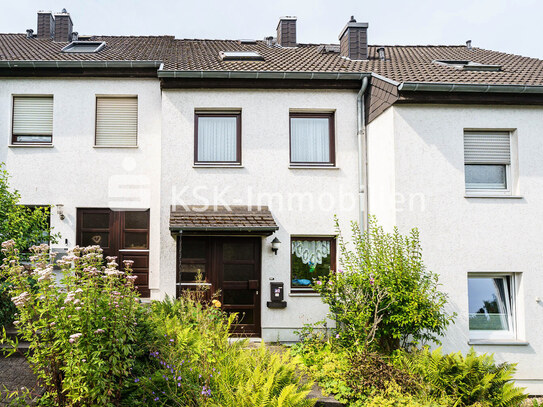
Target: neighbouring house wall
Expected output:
[303,201]
[381,166]
[75,173]
[461,235]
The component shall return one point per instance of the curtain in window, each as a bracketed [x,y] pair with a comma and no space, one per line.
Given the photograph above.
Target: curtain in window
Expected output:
[217,139]
[311,252]
[310,140]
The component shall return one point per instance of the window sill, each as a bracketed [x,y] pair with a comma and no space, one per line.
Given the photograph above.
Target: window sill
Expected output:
[217,166]
[115,146]
[30,146]
[494,196]
[308,294]
[497,342]
[312,167]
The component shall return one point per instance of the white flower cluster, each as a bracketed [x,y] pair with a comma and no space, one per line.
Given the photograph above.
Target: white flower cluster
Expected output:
[44,273]
[21,299]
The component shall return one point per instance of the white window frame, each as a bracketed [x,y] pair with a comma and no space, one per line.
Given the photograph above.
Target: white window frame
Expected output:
[508,190]
[12,136]
[510,334]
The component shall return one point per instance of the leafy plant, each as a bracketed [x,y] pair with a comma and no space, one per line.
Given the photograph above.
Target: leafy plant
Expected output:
[84,334]
[466,380]
[26,227]
[384,298]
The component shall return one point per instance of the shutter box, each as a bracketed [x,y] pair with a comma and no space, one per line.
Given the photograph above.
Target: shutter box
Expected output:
[116,121]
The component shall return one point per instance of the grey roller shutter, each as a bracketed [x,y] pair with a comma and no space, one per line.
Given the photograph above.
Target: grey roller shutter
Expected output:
[117,121]
[487,147]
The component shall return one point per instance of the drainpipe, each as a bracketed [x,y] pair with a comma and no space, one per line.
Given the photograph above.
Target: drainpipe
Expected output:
[362,156]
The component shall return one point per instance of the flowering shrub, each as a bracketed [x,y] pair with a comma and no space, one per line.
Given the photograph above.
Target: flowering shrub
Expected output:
[83,333]
[384,297]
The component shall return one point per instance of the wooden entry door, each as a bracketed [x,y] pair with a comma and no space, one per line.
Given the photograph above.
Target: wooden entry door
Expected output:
[123,234]
[230,266]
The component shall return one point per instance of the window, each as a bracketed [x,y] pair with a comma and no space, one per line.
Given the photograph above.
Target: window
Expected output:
[217,138]
[84,46]
[468,65]
[312,139]
[311,258]
[487,161]
[32,120]
[240,56]
[491,306]
[116,121]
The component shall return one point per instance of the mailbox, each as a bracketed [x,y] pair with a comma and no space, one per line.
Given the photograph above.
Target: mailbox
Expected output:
[277,294]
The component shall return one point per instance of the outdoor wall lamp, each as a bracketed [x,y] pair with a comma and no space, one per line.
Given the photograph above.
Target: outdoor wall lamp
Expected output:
[276,244]
[60,211]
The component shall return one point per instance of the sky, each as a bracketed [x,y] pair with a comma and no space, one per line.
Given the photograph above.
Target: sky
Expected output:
[502,25]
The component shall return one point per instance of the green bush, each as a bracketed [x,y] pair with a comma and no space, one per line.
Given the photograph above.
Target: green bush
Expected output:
[384,298]
[468,381]
[193,363]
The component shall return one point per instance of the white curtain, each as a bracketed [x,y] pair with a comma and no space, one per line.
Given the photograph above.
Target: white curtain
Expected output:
[310,140]
[217,139]
[311,251]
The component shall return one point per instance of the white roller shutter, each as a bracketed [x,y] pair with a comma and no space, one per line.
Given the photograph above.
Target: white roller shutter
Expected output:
[117,121]
[32,115]
[487,147]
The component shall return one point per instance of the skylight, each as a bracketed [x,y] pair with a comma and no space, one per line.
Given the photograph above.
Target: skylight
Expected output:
[84,46]
[240,56]
[468,65]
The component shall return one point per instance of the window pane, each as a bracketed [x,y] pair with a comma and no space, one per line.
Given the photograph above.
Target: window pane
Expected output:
[136,220]
[217,139]
[95,238]
[485,176]
[310,139]
[238,297]
[193,249]
[310,259]
[239,272]
[96,220]
[489,303]
[238,251]
[34,139]
[244,316]
[135,240]
[191,272]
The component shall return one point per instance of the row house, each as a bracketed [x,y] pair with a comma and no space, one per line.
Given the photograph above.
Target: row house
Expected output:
[226,161]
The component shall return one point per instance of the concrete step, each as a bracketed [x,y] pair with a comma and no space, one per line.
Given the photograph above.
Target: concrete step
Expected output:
[322,400]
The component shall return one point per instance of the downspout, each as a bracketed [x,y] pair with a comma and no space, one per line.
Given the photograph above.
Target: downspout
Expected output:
[362,156]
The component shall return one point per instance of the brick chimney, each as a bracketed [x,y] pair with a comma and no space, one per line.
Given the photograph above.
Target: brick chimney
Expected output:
[46,25]
[353,40]
[286,31]
[63,26]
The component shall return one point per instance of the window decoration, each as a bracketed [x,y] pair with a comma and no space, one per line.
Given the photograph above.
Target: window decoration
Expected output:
[311,259]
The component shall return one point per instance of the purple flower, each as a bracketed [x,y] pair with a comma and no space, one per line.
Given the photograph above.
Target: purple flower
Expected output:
[136,380]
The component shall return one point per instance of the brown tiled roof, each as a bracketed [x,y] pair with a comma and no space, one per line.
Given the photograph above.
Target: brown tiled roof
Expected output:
[402,64]
[16,47]
[222,218]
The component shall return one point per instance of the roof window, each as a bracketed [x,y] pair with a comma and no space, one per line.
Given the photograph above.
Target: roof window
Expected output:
[468,65]
[84,46]
[240,56]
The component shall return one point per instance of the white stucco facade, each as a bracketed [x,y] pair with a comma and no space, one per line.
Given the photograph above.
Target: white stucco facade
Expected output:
[302,201]
[416,156]
[73,172]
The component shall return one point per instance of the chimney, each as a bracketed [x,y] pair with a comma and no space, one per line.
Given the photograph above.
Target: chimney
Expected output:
[63,26]
[46,25]
[354,40]
[381,53]
[286,31]
[468,44]
[30,33]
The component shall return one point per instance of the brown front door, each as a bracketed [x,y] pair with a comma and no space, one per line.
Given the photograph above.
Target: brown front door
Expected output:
[124,234]
[230,267]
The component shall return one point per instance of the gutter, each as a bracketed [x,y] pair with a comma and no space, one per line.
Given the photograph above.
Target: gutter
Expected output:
[463,87]
[263,75]
[223,229]
[80,64]
[362,156]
